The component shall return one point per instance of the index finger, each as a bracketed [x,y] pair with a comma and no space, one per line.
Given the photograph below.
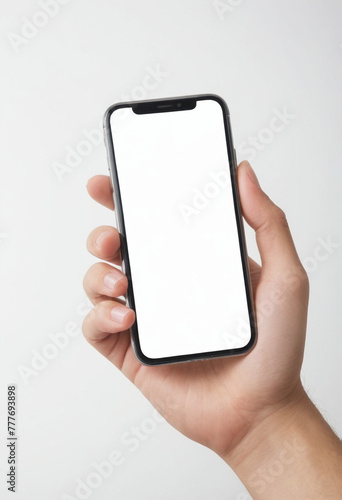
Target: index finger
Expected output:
[99,188]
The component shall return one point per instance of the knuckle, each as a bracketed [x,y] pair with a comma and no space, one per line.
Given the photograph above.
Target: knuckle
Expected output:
[304,282]
[91,275]
[85,282]
[87,323]
[279,216]
[95,268]
[101,310]
[276,217]
[295,281]
[90,239]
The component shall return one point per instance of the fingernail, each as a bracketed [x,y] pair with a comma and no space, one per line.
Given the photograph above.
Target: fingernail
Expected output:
[119,313]
[100,238]
[110,280]
[251,175]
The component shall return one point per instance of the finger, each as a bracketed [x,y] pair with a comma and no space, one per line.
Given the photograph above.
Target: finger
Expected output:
[102,281]
[112,338]
[114,344]
[104,243]
[100,190]
[274,240]
[107,318]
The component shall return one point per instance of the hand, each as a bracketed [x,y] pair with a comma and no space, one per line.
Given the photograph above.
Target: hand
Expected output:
[215,402]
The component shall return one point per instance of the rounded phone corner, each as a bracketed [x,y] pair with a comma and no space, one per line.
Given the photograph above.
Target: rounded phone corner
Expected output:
[144,360]
[250,344]
[109,111]
[220,101]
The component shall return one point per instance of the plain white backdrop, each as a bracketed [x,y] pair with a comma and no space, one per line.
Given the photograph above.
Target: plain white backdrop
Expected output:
[62,65]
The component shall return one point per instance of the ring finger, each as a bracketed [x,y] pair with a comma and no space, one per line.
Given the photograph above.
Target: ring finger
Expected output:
[107,318]
[102,281]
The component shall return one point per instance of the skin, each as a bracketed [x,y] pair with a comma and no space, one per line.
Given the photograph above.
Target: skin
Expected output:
[243,408]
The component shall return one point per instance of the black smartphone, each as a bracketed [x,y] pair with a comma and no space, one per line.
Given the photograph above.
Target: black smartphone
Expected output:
[173,170]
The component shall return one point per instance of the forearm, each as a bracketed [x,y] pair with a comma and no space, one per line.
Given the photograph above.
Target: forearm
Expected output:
[292,454]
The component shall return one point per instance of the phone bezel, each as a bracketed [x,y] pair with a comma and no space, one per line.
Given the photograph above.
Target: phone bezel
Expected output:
[151,106]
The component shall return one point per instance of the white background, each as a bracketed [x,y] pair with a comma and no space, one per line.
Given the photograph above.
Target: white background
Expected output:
[261,57]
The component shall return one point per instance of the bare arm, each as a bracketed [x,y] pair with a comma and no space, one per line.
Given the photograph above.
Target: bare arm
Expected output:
[293,454]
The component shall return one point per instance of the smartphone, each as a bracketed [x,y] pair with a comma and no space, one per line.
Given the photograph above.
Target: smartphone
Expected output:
[173,171]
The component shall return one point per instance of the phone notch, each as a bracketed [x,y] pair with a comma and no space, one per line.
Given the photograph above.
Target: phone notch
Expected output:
[163,106]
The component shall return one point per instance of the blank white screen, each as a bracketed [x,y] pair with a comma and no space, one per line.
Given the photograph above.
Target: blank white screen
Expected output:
[181,230]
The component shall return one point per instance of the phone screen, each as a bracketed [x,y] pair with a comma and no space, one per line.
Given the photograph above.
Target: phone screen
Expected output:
[181,231]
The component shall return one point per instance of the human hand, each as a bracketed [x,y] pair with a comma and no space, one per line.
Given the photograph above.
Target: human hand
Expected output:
[216,402]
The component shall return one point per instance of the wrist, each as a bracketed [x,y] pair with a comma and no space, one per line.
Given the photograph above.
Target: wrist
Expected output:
[290,452]
[274,420]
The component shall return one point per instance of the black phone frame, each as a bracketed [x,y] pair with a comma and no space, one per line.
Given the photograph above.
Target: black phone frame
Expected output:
[167,105]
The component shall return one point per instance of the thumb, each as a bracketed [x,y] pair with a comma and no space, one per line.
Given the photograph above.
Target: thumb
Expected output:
[274,240]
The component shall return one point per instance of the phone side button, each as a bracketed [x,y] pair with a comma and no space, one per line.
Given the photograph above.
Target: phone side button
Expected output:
[235,158]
